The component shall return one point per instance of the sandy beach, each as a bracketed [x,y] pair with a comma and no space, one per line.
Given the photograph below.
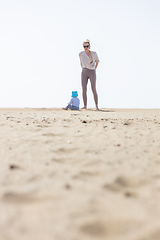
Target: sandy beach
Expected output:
[79,175]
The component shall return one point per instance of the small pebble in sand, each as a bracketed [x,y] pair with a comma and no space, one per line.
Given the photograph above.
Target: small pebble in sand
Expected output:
[12,166]
[84,121]
[128,194]
[69,141]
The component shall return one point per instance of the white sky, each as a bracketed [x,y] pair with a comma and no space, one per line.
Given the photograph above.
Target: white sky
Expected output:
[40,41]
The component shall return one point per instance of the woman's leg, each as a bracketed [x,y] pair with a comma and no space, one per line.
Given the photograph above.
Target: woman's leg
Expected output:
[93,86]
[84,79]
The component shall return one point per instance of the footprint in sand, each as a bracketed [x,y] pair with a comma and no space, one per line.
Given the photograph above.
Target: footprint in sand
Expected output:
[124,184]
[106,230]
[95,229]
[68,186]
[151,235]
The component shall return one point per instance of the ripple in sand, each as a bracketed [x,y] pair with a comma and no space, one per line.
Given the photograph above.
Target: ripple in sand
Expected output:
[43,126]
[89,173]
[65,150]
[51,134]
[19,198]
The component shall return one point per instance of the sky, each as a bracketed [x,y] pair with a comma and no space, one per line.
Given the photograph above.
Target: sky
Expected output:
[40,43]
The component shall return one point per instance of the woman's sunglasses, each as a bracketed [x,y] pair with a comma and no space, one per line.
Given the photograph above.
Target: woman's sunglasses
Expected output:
[86,46]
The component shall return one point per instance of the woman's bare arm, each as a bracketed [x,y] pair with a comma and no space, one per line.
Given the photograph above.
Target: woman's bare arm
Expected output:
[96,65]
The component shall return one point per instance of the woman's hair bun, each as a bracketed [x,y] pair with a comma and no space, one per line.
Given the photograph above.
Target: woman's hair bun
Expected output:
[87,41]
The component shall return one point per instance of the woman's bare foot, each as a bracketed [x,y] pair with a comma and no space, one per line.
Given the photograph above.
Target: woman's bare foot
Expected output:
[84,107]
[97,109]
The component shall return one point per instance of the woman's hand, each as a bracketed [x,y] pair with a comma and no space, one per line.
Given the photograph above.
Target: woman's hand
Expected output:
[96,65]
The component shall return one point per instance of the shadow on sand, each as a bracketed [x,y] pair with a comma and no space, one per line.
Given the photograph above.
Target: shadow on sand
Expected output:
[100,110]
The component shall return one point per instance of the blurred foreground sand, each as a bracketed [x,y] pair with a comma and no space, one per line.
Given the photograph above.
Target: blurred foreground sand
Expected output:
[79,175]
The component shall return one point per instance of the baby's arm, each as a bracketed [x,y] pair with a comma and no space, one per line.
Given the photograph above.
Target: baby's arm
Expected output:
[70,102]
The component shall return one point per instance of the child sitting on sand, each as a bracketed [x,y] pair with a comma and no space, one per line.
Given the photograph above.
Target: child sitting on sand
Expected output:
[74,102]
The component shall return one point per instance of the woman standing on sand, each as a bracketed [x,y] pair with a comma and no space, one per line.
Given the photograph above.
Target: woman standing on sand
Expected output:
[89,62]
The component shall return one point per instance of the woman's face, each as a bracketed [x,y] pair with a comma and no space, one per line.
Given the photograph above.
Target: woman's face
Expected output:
[86,46]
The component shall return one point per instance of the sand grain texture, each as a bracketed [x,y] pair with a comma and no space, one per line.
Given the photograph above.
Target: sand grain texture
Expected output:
[79,175]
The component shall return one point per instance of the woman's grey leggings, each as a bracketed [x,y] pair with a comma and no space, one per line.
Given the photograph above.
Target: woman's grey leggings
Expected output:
[89,74]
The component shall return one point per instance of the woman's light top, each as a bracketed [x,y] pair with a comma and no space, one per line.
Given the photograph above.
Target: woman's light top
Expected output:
[86,61]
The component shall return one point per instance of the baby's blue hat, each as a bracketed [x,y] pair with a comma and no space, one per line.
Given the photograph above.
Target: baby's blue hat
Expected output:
[74,94]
